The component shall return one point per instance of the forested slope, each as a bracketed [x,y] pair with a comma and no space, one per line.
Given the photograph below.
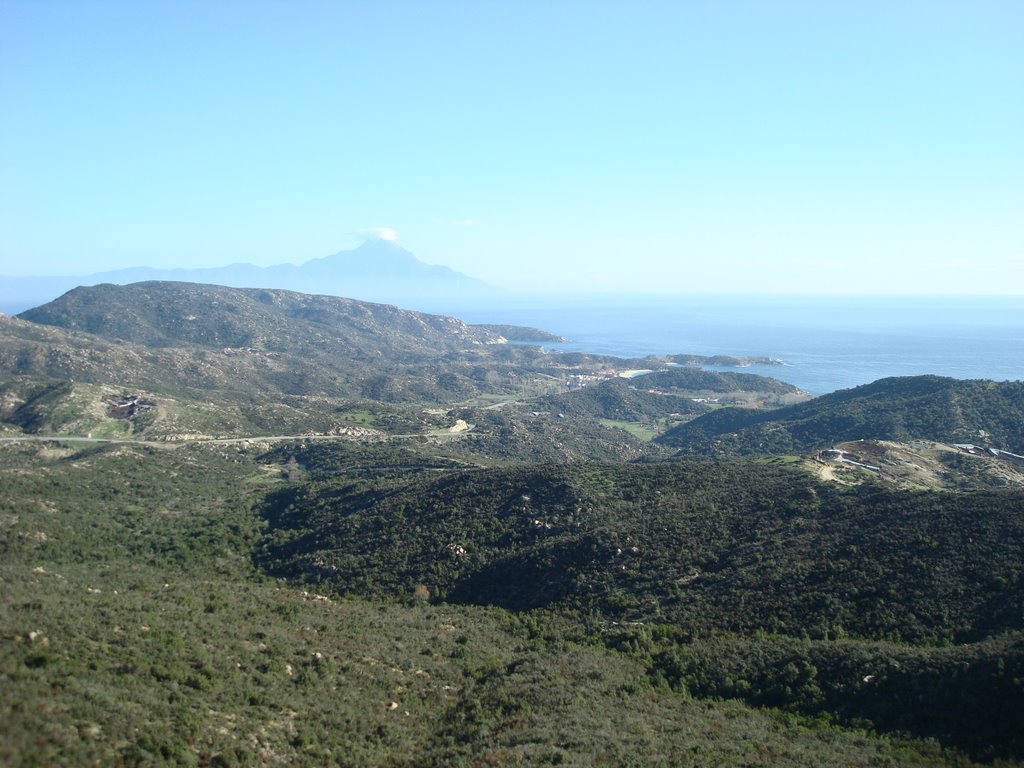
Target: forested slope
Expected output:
[686,542]
[135,630]
[731,578]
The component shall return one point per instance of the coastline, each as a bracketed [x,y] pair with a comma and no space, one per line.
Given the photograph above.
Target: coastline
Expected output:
[818,345]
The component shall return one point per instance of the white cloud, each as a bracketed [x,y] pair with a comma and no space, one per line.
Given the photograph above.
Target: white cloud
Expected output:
[379,233]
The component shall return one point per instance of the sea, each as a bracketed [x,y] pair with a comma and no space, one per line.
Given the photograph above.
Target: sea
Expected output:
[825,344]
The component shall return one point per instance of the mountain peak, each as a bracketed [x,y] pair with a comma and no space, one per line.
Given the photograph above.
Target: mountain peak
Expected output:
[378,248]
[374,257]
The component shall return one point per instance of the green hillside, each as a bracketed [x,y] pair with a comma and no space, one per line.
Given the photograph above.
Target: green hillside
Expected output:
[986,413]
[677,391]
[690,379]
[243,527]
[136,629]
[737,579]
[166,314]
[683,542]
[644,406]
[177,337]
[622,400]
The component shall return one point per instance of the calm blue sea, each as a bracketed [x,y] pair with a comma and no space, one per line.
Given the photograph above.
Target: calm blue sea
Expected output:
[827,344]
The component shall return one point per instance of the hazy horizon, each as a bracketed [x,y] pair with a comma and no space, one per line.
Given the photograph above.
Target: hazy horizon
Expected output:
[665,148]
[538,294]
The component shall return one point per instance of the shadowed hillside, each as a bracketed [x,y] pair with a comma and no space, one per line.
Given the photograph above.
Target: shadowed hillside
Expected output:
[829,587]
[686,542]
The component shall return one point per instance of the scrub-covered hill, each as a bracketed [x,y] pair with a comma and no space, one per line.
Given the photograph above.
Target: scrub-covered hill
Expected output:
[736,578]
[178,337]
[136,630]
[986,413]
[168,314]
[685,542]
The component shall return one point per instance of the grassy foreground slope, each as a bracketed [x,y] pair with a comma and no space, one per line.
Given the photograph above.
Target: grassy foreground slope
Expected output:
[135,630]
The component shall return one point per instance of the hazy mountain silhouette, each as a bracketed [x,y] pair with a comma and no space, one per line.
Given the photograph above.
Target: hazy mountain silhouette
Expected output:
[378,270]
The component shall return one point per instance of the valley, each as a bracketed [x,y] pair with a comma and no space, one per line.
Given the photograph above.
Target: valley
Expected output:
[253,527]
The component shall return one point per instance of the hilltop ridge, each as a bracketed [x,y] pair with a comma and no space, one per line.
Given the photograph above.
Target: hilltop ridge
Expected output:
[896,408]
[159,313]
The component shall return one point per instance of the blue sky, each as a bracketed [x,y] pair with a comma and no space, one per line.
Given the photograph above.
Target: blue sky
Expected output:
[670,147]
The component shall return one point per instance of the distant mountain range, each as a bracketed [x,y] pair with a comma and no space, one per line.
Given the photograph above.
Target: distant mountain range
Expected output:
[378,270]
